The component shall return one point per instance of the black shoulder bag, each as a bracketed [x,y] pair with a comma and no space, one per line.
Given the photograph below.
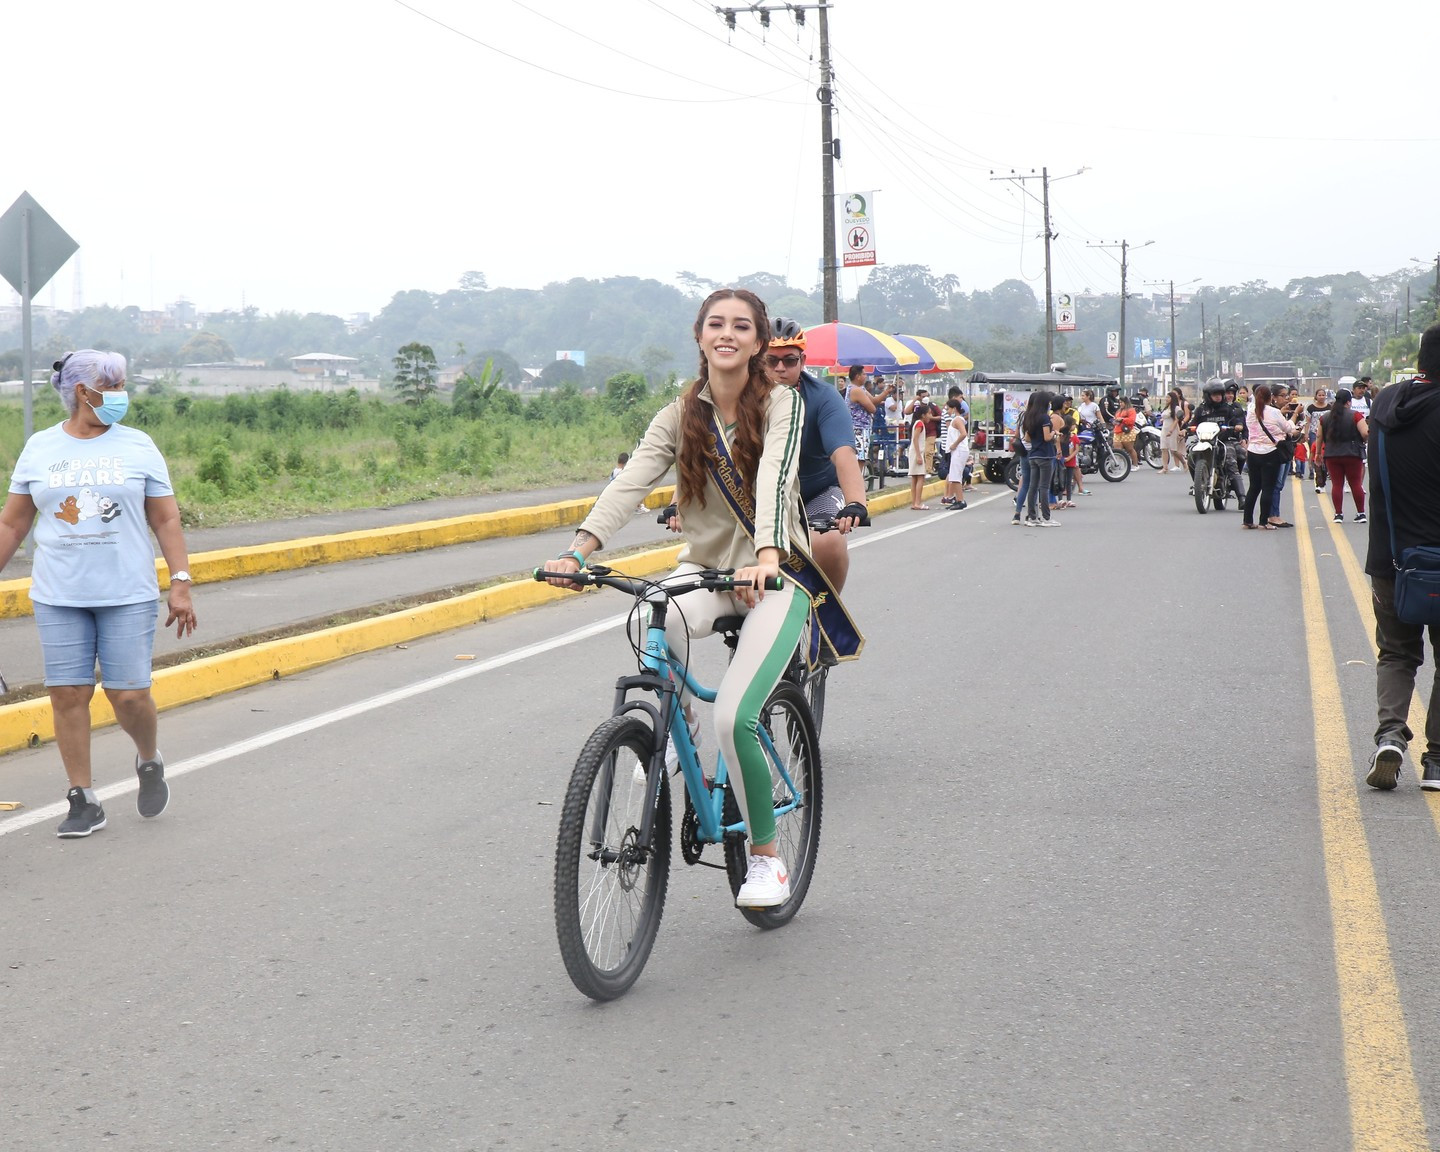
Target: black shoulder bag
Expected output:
[1417,570]
[1285,449]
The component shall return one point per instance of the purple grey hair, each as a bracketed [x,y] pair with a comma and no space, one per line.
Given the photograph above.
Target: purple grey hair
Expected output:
[86,367]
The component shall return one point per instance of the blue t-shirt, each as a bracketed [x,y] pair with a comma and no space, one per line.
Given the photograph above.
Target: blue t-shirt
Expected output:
[827,427]
[92,541]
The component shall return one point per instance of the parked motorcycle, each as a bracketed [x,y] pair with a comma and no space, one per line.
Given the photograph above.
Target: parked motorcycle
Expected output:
[1147,442]
[1097,453]
[1207,454]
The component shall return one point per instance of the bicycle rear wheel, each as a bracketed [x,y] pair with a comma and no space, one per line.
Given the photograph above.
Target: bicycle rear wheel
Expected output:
[610,888]
[786,717]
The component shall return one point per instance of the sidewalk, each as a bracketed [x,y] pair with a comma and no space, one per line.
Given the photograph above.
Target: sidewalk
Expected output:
[303,603]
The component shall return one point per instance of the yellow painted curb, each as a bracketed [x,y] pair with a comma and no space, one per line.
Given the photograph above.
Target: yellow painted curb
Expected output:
[310,551]
[30,723]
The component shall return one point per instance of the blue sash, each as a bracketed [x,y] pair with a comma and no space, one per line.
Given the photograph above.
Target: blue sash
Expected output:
[830,622]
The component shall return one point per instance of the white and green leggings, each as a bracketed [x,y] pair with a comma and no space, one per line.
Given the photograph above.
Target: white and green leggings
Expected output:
[768,639]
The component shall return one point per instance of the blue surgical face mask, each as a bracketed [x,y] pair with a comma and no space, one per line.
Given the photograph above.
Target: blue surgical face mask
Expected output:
[113,407]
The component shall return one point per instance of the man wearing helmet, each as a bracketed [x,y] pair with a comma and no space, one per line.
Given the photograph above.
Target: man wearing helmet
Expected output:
[1110,404]
[830,479]
[1220,409]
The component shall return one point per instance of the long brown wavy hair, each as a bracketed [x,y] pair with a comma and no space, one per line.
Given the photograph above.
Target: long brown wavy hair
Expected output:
[748,439]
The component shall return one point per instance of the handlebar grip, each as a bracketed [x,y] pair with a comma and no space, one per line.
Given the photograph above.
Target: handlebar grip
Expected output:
[774,583]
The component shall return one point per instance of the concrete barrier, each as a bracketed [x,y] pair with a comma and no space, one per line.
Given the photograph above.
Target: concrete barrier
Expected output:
[310,551]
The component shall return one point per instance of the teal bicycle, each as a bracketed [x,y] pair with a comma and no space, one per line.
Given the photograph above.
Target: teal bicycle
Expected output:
[612,855]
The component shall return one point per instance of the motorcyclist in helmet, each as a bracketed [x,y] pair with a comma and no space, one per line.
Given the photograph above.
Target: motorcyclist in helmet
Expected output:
[1110,404]
[1216,407]
[830,479]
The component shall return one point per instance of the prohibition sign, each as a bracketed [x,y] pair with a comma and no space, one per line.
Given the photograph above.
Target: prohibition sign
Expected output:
[859,239]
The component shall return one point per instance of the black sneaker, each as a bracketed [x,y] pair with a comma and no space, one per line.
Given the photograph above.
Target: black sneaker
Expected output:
[1360,518]
[154,793]
[1430,780]
[1339,517]
[1385,766]
[84,817]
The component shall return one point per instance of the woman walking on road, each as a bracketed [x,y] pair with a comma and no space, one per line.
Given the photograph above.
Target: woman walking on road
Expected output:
[1315,412]
[94,490]
[1267,428]
[1172,432]
[1344,432]
[1038,427]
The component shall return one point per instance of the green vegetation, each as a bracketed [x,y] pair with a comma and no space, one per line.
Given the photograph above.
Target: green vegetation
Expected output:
[273,454]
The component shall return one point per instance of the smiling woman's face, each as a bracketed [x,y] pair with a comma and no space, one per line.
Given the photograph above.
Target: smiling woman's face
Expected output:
[729,335]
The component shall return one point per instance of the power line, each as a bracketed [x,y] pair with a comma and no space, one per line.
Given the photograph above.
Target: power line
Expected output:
[589,83]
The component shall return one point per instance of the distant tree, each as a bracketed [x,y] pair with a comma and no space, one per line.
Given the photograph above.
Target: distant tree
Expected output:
[473,282]
[562,372]
[766,285]
[506,367]
[206,348]
[12,364]
[603,367]
[415,373]
[625,390]
[653,357]
[697,285]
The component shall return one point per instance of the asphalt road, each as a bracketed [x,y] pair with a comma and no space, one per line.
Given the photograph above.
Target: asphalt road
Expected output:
[1077,884]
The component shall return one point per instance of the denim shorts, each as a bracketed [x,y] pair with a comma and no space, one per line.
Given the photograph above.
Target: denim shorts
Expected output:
[120,636]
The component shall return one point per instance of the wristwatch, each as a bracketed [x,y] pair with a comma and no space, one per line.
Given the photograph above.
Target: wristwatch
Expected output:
[181,575]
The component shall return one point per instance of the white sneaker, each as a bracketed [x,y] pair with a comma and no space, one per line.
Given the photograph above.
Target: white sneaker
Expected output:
[1385,766]
[1049,524]
[767,883]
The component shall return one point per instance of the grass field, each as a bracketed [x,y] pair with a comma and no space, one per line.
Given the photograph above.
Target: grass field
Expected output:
[279,454]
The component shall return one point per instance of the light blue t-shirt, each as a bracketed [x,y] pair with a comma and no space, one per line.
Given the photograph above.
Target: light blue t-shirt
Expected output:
[92,541]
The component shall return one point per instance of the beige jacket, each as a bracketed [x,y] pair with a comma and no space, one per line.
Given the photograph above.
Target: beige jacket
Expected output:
[713,536]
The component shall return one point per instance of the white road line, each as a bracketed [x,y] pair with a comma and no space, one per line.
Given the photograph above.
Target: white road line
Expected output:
[324,719]
[359,708]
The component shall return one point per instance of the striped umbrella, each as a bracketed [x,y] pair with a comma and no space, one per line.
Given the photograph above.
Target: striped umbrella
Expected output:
[836,345]
[941,356]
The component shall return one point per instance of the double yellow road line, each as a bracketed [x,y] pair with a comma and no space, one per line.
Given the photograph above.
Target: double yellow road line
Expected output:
[1385,1108]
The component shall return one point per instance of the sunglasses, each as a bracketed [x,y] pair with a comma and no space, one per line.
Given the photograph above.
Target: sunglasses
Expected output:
[775,361]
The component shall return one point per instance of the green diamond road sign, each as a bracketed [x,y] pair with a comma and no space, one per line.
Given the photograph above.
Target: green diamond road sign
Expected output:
[50,245]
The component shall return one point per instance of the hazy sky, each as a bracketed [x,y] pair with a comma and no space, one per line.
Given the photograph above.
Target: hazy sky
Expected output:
[321,155]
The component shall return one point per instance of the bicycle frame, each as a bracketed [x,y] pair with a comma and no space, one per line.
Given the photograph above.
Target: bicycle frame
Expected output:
[662,670]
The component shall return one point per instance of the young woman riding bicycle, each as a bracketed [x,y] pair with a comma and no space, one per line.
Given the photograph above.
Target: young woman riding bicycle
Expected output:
[733,438]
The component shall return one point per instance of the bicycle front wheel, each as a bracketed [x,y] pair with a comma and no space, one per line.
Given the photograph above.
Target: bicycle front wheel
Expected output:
[786,717]
[610,887]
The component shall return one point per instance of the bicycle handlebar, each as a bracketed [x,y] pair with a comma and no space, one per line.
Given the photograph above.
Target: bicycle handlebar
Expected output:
[709,580]
[817,523]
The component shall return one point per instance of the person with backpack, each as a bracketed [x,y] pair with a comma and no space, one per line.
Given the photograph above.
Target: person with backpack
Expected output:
[1405,476]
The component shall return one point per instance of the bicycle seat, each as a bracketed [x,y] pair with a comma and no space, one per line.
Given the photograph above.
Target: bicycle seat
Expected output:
[728,625]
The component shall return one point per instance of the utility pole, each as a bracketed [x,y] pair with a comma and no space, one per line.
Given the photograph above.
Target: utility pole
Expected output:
[1204,336]
[1049,234]
[829,146]
[1174,356]
[1124,246]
